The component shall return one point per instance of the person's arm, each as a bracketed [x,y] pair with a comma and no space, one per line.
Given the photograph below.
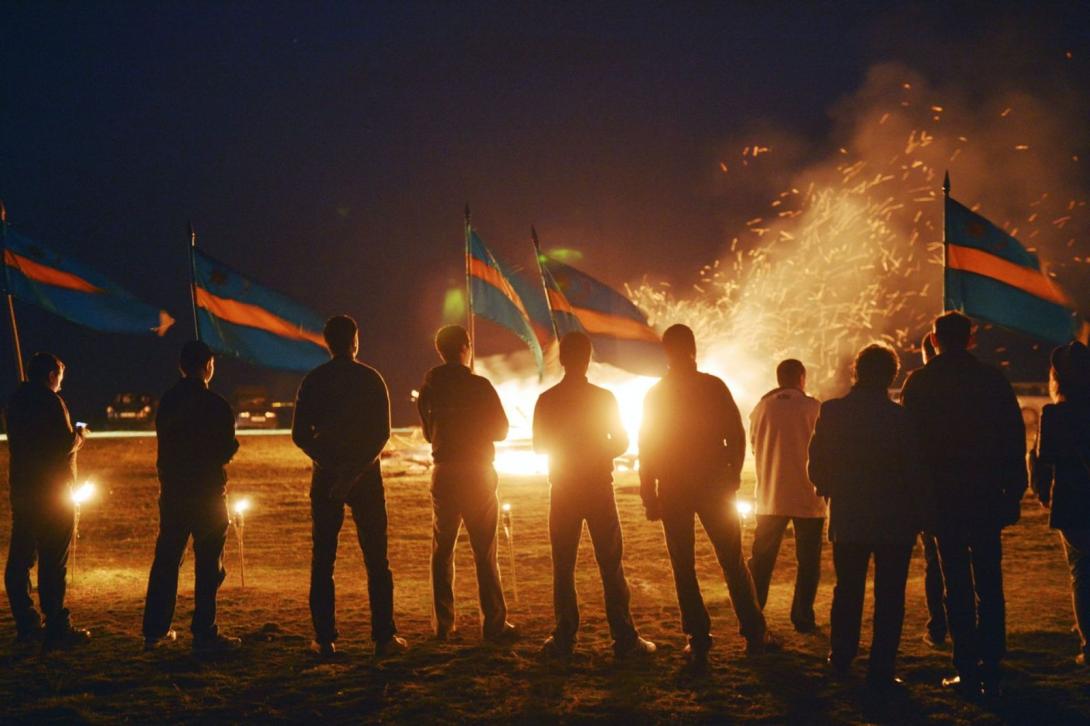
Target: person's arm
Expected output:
[495,418]
[649,445]
[618,436]
[423,407]
[819,465]
[542,433]
[303,431]
[734,434]
[1042,457]
[224,443]
[59,438]
[377,430]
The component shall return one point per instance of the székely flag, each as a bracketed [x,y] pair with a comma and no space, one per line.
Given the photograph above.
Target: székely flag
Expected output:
[990,276]
[38,275]
[239,317]
[493,297]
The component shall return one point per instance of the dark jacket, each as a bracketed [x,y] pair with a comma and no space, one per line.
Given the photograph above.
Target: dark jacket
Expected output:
[41,442]
[865,460]
[342,422]
[691,439]
[973,439]
[462,415]
[1060,464]
[195,429]
[579,426]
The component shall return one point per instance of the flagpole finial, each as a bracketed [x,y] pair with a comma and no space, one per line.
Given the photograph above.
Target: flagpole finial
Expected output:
[946,184]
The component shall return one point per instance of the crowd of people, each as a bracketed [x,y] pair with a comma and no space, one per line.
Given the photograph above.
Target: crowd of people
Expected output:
[945,464]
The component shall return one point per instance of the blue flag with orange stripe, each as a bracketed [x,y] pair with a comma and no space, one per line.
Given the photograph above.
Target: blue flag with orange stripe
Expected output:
[493,297]
[239,317]
[38,275]
[990,276]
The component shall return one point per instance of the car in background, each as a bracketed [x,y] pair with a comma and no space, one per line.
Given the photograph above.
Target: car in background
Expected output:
[131,411]
[255,410]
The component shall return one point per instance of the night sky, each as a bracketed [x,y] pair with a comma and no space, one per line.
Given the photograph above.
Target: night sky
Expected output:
[327,149]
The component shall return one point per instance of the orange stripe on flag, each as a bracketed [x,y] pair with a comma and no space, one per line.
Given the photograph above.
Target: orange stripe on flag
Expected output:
[558,302]
[48,275]
[597,323]
[969,259]
[496,279]
[241,313]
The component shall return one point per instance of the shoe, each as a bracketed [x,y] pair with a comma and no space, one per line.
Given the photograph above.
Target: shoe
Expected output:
[394,645]
[323,649]
[507,634]
[936,643]
[557,649]
[696,651]
[768,643]
[964,688]
[445,634]
[65,639]
[153,643]
[637,647]
[991,689]
[806,628]
[218,643]
[839,667]
[30,637]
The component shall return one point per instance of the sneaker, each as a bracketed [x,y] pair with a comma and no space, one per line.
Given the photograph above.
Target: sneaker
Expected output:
[933,641]
[393,646]
[840,667]
[768,643]
[637,647]
[323,650]
[153,643]
[557,649]
[218,643]
[507,634]
[65,639]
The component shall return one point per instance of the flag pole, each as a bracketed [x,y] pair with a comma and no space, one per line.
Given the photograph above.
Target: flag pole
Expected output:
[11,302]
[471,324]
[945,241]
[544,286]
[193,279]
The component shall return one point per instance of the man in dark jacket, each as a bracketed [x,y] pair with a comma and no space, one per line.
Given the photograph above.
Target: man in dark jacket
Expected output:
[863,458]
[462,417]
[579,426]
[970,429]
[195,429]
[692,445]
[342,422]
[42,446]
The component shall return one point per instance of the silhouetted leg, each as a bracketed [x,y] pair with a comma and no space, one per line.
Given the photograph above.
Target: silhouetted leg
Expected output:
[327,516]
[54,533]
[766,548]
[957,577]
[369,514]
[22,554]
[482,521]
[677,526]
[209,536]
[890,575]
[724,528]
[850,560]
[987,554]
[1076,544]
[932,579]
[808,541]
[163,580]
[605,534]
[565,529]
[446,521]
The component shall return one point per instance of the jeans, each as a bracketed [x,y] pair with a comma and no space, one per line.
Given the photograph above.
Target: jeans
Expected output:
[766,548]
[933,589]
[1076,544]
[975,607]
[43,533]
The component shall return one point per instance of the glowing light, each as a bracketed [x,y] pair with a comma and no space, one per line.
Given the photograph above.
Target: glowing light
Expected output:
[454,305]
[744,507]
[241,506]
[521,463]
[82,493]
[506,507]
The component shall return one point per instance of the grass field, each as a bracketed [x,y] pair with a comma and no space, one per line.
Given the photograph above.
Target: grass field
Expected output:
[273,677]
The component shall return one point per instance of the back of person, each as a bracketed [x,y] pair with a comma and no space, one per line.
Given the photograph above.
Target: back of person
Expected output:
[40,439]
[462,415]
[195,432]
[780,428]
[578,425]
[1064,445]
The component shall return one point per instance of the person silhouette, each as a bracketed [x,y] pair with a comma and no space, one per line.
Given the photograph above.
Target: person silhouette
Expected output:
[342,422]
[864,459]
[462,416]
[42,468]
[578,425]
[692,446]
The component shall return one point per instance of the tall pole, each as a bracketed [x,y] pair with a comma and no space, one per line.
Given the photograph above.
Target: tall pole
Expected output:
[471,324]
[18,349]
[544,286]
[193,279]
[945,241]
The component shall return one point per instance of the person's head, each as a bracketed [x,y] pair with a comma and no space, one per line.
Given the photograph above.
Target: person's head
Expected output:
[575,350]
[791,373]
[46,369]
[342,336]
[952,331]
[197,361]
[1069,375]
[452,343]
[875,367]
[680,345]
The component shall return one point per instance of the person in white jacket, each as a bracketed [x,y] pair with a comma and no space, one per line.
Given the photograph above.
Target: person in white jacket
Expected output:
[780,427]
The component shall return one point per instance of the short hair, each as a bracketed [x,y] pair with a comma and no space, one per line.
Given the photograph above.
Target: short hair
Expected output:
[449,341]
[876,366]
[953,330]
[42,365]
[340,333]
[194,357]
[790,373]
[679,342]
[1071,371]
[575,349]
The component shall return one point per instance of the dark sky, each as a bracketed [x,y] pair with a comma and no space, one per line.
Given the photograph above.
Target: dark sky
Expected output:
[328,148]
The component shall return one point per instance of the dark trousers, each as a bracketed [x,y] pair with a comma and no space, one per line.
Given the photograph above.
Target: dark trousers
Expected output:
[466,493]
[570,504]
[1077,547]
[851,561]
[766,548]
[933,590]
[205,520]
[43,534]
[723,527]
[367,500]
[975,608]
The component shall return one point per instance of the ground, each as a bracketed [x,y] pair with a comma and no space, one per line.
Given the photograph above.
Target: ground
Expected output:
[274,678]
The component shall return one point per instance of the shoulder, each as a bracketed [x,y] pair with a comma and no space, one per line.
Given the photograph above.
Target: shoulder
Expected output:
[481,383]
[368,373]
[713,384]
[548,394]
[216,399]
[602,394]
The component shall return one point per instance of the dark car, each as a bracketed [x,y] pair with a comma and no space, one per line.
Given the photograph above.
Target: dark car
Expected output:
[131,411]
[255,410]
